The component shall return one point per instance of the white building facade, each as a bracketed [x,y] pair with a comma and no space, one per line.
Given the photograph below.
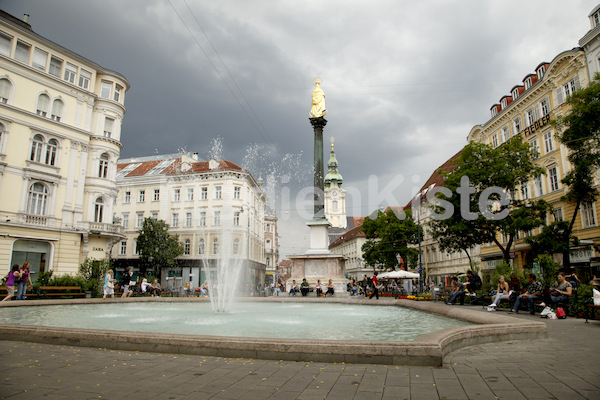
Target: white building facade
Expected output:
[60,131]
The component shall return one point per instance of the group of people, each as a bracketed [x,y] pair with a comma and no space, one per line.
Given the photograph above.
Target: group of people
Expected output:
[461,289]
[20,278]
[304,288]
[127,285]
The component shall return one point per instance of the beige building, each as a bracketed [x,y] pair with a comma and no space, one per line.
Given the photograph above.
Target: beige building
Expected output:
[216,208]
[271,246]
[60,131]
[526,112]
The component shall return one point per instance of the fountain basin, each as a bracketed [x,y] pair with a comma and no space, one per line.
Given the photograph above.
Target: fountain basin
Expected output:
[428,349]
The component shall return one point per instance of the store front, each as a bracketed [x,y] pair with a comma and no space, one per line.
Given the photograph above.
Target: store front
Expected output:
[37,252]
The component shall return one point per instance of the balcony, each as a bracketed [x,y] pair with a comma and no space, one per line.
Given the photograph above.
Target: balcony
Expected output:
[103,228]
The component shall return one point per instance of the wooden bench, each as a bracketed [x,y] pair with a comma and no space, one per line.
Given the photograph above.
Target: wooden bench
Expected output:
[61,291]
[4,293]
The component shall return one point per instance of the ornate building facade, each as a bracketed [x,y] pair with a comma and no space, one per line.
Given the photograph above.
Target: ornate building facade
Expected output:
[215,206]
[60,131]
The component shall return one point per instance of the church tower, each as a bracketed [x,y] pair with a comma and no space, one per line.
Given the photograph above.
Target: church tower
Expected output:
[335,196]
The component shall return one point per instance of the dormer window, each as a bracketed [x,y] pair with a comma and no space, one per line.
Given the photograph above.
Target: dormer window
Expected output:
[494,111]
[595,19]
[528,83]
[541,71]
[503,103]
[515,94]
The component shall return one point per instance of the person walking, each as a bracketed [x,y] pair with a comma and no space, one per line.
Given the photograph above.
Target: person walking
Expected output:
[125,281]
[376,287]
[109,284]
[10,282]
[25,280]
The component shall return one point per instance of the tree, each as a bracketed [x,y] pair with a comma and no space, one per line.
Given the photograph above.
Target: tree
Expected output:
[388,236]
[156,246]
[495,174]
[579,131]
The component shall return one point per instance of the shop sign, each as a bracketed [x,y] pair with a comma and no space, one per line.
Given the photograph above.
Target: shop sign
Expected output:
[491,264]
[537,124]
[581,255]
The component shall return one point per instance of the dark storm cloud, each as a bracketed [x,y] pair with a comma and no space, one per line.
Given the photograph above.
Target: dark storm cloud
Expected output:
[405,81]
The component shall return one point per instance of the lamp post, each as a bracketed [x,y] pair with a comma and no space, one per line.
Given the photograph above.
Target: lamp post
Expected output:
[419,197]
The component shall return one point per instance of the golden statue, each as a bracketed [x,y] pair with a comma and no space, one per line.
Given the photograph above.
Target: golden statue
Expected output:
[318,100]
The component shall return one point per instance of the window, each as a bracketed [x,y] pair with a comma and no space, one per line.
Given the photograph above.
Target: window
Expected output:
[175,220]
[137,248]
[201,246]
[544,108]
[217,218]
[218,193]
[37,199]
[215,246]
[558,214]
[190,194]
[515,94]
[186,247]
[127,197]
[123,249]
[5,87]
[237,192]
[541,71]
[204,193]
[494,112]
[503,103]
[103,166]
[118,90]
[517,126]
[528,83]
[156,195]
[236,246]
[236,218]
[22,52]
[98,209]
[202,220]
[530,117]
[55,66]
[538,186]
[70,73]
[105,88]
[36,148]
[155,215]
[139,222]
[334,205]
[268,228]
[142,196]
[51,151]
[84,79]
[533,143]
[43,105]
[176,194]
[125,221]
[595,19]
[40,58]
[108,127]
[567,89]
[57,110]
[553,177]
[504,134]
[188,219]
[525,191]
[548,143]
[588,214]
[495,140]
[5,44]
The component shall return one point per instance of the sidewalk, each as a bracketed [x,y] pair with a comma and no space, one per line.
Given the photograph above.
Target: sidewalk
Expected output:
[563,367]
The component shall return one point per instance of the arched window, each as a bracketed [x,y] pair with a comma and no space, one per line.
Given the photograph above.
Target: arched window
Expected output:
[37,199]
[201,246]
[236,246]
[215,246]
[5,87]
[186,247]
[57,109]
[43,105]
[51,151]
[36,148]
[334,205]
[98,209]
[103,166]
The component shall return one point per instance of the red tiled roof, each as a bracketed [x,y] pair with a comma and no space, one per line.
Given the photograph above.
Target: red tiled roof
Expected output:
[349,235]
[175,167]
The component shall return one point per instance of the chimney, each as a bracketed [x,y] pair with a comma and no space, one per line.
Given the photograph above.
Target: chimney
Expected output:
[195,156]
[26,18]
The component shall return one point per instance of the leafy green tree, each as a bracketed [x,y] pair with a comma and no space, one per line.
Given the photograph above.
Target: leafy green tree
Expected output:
[388,236]
[157,247]
[579,131]
[504,168]
[93,272]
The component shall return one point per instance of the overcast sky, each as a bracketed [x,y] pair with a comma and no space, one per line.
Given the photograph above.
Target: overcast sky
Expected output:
[405,81]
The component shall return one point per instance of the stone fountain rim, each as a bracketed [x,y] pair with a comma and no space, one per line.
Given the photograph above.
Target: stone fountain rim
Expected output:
[428,349]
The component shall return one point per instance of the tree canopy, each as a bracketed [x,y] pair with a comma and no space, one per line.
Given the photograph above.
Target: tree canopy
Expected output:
[388,236]
[157,247]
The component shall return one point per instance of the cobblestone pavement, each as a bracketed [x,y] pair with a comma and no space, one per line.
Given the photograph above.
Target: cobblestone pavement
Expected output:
[563,367]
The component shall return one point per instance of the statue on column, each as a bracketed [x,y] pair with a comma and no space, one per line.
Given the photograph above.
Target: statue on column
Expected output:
[318,100]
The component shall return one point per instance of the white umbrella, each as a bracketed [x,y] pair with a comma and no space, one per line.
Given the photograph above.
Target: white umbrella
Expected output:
[399,274]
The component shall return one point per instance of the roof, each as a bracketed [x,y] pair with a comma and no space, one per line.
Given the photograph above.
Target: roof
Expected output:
[436,178]
[349,235]
[164,167]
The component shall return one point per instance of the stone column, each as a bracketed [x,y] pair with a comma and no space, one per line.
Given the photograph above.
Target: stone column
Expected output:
[319,200]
